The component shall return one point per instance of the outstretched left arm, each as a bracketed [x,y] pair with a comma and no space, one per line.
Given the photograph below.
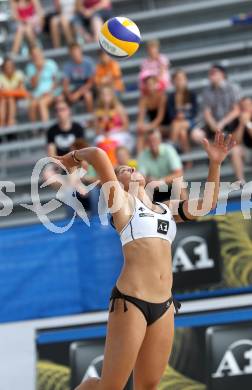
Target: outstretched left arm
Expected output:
[217,152]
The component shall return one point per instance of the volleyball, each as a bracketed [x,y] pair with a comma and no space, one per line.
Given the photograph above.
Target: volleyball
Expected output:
[120,37]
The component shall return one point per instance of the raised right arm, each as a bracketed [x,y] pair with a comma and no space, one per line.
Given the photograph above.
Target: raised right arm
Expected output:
[112,190]
[100,161]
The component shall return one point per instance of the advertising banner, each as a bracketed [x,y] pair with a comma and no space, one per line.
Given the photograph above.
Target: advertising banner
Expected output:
[229,357]
[203,358]
[196,255]
[213,254]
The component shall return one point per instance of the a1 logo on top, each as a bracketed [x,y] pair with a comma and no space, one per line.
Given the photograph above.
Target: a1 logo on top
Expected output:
[196,255]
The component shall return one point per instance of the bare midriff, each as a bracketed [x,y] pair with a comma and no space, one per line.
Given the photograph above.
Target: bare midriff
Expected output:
[147,270]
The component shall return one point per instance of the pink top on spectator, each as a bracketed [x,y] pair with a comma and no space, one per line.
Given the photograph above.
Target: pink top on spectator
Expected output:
[154,67]
[92,3]
[27,12]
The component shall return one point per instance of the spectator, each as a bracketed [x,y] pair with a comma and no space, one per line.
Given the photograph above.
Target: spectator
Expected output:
[62,136]
[91,15]
[161,164]
[11,89]
[61,21]
[220,105]
[28,15]
[182,108]
[65,132]
[108,72]
[42,79]
[123,157]
[243,135]
[157,64]
[111,119]
[153,104]
[79,77]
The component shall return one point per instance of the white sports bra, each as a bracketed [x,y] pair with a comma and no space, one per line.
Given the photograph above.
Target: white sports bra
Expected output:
[148,223]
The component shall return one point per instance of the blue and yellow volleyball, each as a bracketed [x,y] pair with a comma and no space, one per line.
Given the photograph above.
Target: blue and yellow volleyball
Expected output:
[120,37]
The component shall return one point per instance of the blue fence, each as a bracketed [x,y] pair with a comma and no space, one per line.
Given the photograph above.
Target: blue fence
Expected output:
[44,274]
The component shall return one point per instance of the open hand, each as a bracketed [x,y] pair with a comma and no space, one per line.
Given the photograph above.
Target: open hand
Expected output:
[219,149]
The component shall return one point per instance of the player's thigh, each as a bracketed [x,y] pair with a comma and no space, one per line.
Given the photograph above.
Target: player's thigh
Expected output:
[125,334]
[154,352]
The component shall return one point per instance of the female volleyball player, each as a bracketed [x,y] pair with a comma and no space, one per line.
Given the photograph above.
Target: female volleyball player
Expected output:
[141,322]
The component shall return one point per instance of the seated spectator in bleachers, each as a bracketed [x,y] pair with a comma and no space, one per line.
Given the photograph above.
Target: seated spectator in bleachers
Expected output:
[64,136]
[108,72]
[11,89]
[153,105]
[61,21]
[220,105]
[91,15]
[42,76]
[243,136]
[123,157]
[182,111]
[111,119]
[155,63]
[28,15]
[61,136]
[79,78]
[161,164]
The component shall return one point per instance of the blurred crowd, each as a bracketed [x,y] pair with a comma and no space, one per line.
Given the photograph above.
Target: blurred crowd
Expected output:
[171,117]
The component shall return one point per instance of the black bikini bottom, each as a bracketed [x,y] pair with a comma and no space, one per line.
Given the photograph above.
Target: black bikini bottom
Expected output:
[151,311]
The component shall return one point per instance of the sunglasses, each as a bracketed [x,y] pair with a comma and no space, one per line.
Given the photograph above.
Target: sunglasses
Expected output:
[128,169]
